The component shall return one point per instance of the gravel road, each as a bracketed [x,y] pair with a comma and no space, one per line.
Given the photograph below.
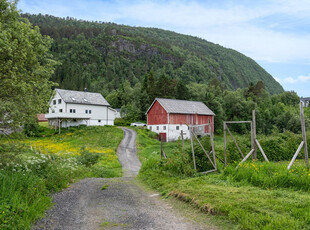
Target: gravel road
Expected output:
[117,203]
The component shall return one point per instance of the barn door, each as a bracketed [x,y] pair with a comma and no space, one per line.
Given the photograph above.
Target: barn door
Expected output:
[162,136]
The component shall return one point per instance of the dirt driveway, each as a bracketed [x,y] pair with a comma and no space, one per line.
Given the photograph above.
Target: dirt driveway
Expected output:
[122,204]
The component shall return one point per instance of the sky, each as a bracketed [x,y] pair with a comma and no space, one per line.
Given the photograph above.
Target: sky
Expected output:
[275,33]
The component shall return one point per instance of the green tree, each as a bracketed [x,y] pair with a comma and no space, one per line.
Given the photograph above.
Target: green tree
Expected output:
[25,68]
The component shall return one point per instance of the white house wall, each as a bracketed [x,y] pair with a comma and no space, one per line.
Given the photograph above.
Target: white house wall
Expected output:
[172,134]
[100,115]
[58,106]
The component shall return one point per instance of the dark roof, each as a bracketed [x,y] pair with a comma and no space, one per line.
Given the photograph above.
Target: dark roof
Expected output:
[304,99]
[81,97]
[183,107]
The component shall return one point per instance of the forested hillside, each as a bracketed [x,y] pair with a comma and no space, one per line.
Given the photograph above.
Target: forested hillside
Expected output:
[100,56]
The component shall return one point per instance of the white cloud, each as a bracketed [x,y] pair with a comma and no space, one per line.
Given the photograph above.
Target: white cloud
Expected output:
[299,79]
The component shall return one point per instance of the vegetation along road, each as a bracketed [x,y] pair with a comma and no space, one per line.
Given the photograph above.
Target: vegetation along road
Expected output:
[118,203]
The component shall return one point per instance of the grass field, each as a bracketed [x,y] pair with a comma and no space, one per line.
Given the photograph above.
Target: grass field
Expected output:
[27,177]
[256,196]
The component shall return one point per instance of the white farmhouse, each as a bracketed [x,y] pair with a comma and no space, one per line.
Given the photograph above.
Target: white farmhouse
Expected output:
[73,108]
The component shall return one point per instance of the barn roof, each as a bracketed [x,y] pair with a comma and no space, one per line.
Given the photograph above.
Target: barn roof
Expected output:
[183,107]
[81,97]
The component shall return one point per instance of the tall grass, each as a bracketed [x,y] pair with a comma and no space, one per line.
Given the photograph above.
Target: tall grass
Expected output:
[258,195]
[27,177]
[271,175]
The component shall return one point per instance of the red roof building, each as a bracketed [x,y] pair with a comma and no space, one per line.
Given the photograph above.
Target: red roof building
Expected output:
[41,117]
[168,117]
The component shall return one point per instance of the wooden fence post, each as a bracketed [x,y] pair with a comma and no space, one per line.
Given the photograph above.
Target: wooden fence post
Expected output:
[182,142]
[225,151]
[254,135]
[193,152]
[304,137]
[213,149]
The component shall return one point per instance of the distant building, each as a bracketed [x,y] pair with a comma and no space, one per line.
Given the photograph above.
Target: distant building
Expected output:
[73,108]
[118,113]
[305,101]
[168,117]
[41,117]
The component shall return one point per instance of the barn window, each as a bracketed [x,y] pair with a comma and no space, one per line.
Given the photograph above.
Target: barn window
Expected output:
[99,121]
[54,102]
[73,110]
[157,127]
[86,111]
[89,111]
[59,101]
[177,127]
[164,127]
[150,127]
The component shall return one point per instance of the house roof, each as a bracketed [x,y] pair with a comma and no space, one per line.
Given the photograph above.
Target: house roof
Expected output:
[81,97]
[183,107]
[304,99]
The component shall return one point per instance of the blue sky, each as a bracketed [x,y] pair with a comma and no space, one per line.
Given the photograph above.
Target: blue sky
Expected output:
[275,33]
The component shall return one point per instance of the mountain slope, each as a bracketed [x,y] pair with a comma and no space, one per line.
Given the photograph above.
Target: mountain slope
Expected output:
[101,56]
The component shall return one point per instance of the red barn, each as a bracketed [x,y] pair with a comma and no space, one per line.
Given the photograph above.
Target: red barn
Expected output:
[168,117]
[41,117]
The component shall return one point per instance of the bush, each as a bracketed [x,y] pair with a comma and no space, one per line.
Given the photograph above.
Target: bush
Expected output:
[121,122]
[33,130]
[87,158]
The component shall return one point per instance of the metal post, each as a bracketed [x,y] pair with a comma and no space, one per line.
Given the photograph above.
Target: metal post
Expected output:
[304,137]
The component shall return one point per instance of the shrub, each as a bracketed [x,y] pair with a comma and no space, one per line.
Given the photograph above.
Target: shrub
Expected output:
[121,122]
[87,158]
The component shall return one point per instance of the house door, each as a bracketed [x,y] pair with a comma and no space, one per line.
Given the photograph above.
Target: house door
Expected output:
[162,136]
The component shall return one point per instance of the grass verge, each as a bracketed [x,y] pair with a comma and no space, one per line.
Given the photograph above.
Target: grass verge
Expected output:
[28,176]
[247,198]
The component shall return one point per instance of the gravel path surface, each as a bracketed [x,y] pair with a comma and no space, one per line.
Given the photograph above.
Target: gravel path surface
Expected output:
[117,203]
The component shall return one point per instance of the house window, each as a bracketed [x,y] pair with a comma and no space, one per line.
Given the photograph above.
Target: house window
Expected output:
[86,111]
[60,110]
[73,110]
[150,127]
[177,127]
[164,127]
[70,110]
[53,111]
[89,111]
[157,127]
[99,121]
[59,101]
[54,102]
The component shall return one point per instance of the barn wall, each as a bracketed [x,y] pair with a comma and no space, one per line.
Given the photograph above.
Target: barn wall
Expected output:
[157,115]
[191,119]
